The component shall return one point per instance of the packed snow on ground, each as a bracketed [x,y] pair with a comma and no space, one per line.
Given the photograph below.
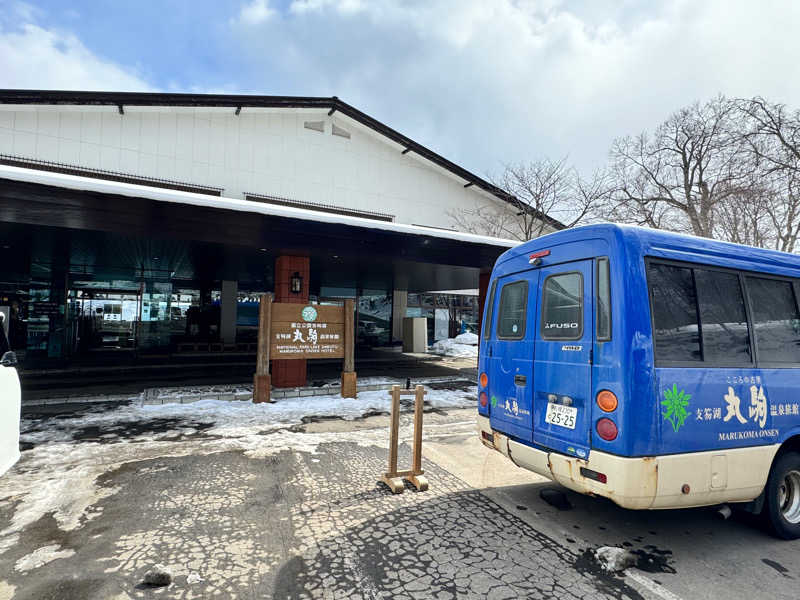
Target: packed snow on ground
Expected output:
[451,347]
[60,474]
[42,556]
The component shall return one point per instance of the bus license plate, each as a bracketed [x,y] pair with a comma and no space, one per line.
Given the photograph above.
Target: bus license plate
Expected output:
[560,415]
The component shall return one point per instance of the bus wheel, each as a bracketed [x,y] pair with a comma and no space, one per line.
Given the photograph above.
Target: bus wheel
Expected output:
[782,497]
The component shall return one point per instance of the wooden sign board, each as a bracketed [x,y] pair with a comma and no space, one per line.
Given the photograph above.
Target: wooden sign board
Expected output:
[307,331]
[297,331]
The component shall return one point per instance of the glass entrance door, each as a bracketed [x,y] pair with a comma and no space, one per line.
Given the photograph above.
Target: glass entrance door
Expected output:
[104,320]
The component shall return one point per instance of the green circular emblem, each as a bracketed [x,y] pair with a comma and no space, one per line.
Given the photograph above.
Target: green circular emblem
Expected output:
[309,313]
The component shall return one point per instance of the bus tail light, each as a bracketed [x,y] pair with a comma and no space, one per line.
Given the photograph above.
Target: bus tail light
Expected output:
[607,401]
[589,474]
[536,258]
[484,399]
[607,429]
[484,380]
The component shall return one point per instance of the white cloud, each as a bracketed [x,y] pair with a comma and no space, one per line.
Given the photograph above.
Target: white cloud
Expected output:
[342,6]
[487,82]
[481,82]
[37,58]
[257,11]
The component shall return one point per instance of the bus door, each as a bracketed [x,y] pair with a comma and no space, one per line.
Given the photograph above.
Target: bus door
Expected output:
[510,355]
[562,371]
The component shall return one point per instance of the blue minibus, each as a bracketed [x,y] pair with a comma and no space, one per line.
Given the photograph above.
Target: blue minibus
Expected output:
[656,369]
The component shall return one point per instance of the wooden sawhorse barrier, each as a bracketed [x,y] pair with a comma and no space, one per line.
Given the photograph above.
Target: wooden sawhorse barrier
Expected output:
[394,478]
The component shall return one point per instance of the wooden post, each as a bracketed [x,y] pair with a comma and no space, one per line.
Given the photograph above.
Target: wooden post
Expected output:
[416,476]
[419,399]
[349,382]
[394,478]
[391,477]
[261,379]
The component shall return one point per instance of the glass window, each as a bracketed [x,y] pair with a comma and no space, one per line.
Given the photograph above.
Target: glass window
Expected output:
[723,320]
[674,313]
[603,301]
[374,323]
[562,301]
[487,326]
[775,320]
[511,315]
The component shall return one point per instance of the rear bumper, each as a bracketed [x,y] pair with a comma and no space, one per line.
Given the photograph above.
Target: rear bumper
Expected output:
[737,475]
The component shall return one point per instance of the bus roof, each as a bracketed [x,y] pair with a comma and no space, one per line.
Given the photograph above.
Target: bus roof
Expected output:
[633,240]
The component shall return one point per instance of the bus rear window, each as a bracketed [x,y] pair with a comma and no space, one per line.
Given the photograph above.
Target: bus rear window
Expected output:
[487,326]
[511,313]
[677,335]
[603,301]
[775,320]
[562,299]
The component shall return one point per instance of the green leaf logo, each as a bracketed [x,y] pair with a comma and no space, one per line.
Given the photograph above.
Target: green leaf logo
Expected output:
[494,401]
[675,403]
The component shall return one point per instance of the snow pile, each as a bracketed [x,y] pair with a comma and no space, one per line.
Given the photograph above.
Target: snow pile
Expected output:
[450,347]
[614,560]
[229,418]
[468,338]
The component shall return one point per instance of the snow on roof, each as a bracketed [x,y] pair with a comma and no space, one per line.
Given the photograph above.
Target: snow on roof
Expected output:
[75,182]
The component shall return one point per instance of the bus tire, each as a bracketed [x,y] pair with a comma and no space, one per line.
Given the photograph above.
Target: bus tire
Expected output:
[782,497]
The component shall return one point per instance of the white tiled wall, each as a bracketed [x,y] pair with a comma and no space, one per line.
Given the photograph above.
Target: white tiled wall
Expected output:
[258,151]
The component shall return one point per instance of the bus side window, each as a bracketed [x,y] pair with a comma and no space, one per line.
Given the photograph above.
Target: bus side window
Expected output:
[677,330]
[603,301]
[775,320]
[511,313]
[487,326]
[723,320]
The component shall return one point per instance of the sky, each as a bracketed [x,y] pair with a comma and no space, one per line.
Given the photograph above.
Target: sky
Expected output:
[483,82]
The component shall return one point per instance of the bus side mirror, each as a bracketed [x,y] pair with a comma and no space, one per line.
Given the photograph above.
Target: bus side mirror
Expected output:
[9,360]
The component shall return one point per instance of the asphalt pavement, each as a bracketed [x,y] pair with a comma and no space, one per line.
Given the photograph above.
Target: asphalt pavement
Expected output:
[298,513]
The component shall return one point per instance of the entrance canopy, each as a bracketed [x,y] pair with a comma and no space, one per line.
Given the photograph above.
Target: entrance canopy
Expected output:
[229,235]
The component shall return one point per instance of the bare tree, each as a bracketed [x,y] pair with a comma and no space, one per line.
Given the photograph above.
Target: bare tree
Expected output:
[745,218]
[677,177]
[542,195]
[493,220]
[771,136]
[727,169]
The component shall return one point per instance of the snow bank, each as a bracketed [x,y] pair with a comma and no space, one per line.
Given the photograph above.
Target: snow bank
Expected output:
[229,417]
[468,338]
[450,347]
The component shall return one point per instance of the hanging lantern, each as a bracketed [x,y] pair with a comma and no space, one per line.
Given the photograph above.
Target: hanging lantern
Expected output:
[296,283]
